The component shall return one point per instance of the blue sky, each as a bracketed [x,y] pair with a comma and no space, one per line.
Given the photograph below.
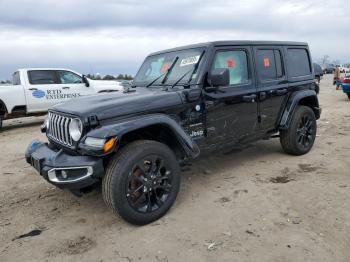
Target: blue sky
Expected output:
[113,37]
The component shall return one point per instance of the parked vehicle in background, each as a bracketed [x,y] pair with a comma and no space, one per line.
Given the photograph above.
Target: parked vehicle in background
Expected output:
[184,102]
[343,69]
[34,90]
[345,84]
[318,76]
[329,69]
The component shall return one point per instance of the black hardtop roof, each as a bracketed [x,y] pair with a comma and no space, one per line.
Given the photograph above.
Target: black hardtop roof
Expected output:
[232,42]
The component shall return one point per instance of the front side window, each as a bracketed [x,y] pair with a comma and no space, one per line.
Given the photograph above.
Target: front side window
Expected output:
[298,62]
[42,77]
[269,64]
[184,66]
[236,62]
[67,77]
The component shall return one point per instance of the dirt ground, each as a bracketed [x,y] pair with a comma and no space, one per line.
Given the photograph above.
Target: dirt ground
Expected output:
[254,204]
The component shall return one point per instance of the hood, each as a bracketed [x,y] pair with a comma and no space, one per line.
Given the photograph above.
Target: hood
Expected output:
[115,104]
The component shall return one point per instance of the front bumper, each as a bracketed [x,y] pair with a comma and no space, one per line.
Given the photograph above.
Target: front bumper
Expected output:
[64,170]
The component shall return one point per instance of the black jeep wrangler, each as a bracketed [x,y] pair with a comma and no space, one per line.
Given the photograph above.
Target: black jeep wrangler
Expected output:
[182,103]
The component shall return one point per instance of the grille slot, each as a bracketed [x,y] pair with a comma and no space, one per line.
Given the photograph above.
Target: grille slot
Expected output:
[59,129]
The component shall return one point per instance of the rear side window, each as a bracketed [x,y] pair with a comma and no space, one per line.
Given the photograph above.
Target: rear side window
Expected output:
[16,80]
[42,77]
[298,62]
[236,62]
[269,64]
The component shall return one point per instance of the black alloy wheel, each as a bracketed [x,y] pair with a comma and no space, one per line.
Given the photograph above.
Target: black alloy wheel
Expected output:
[149,184]
[305,131]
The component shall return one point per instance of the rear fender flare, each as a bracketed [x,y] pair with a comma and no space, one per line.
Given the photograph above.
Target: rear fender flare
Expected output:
[303,97]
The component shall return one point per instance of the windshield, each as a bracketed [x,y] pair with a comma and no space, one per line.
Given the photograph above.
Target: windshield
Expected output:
[157,66]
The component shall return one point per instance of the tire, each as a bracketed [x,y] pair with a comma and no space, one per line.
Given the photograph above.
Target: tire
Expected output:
[348,95]
[317,88]
[1,119]
[137,195]
[299,138]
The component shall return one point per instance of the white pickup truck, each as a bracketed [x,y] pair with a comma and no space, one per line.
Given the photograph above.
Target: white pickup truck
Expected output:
[34,90]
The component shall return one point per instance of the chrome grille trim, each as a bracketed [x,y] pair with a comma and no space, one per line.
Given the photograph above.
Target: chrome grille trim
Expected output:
[58,129]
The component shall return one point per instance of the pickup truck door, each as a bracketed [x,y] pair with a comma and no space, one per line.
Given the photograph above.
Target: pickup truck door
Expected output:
[231,111]
[71,85]
[272,84]
[39,88]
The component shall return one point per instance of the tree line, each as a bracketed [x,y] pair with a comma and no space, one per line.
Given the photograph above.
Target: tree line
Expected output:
[110,77]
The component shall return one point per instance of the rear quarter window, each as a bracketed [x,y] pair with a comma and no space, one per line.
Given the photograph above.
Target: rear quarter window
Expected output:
[298,62]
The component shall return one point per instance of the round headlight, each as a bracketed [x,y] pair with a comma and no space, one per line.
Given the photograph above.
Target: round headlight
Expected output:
[75,129]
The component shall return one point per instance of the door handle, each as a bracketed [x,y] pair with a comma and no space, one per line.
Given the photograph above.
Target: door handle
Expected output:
[281,91]
[250,98]
[33,89]
[262,96]
[65,87]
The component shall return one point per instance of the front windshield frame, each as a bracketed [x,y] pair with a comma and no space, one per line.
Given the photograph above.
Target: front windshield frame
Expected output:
[173,75]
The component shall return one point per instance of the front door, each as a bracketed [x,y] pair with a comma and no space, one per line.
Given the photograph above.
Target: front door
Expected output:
[71,85]
[231,111]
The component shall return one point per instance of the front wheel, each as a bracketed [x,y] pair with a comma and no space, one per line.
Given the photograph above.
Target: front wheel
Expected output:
[141,182]
[348,95]
[1,119]
[299,138]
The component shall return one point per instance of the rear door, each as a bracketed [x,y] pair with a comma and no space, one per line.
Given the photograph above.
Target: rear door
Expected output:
[41,84]
[231,111]
[272,84]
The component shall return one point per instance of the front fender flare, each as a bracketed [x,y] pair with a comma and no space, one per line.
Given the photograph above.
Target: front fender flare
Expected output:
[304,97]
[125,126]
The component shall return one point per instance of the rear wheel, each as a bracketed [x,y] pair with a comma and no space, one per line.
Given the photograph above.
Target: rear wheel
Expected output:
[1,119]
[142,182]
[348,95]
[299,138]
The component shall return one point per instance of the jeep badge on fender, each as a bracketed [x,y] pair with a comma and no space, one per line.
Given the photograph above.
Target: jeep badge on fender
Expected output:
[184,102]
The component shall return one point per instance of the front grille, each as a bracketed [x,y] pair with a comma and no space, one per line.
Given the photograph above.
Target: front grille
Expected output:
[58,129]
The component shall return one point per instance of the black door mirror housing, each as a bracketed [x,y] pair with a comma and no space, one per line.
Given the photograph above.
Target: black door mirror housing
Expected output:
[85,81]
[219,77]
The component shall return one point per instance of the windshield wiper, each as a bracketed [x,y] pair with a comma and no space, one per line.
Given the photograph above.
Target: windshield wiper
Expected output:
[189,71]
[164,74]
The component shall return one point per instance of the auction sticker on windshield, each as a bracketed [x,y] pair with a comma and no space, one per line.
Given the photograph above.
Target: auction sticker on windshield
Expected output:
[190,60]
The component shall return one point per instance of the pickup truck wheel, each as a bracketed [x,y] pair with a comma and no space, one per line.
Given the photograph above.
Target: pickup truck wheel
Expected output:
[299,138]
[141,182]
[348,95]
[1,119]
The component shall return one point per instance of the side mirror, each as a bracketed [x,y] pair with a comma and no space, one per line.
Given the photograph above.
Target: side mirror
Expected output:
[85,81]
[219,77]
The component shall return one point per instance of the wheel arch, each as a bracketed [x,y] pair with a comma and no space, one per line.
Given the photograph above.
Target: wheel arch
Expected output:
[158,127]
[3,108]
[303,97]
